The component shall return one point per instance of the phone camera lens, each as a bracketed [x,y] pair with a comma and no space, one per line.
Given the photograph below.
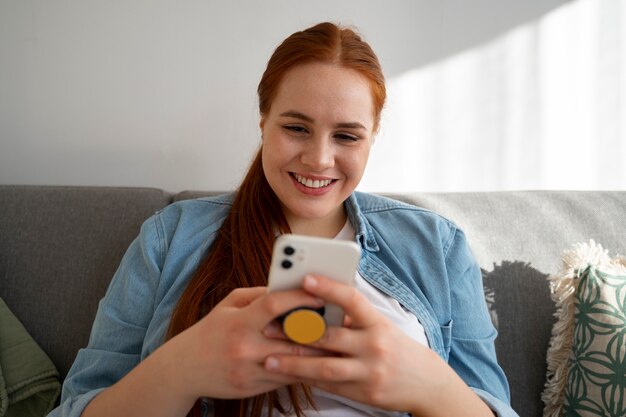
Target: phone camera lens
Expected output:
[289,250]
[286,264]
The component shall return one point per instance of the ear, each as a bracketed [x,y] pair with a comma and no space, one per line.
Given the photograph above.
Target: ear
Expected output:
[261,125]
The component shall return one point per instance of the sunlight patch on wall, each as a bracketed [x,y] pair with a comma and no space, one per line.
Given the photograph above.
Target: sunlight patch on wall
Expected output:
[542,107]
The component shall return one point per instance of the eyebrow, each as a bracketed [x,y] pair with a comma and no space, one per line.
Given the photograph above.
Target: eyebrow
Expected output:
[301,116]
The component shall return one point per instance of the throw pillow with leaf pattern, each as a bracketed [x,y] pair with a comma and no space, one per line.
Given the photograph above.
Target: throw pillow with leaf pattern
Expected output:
[587,353]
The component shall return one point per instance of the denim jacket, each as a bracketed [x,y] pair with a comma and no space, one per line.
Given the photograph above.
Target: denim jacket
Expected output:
[415,256]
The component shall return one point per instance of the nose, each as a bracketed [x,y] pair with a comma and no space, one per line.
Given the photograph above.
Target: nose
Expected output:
[318,154]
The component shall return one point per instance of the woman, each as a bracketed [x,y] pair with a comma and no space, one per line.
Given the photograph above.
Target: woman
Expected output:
[187,325]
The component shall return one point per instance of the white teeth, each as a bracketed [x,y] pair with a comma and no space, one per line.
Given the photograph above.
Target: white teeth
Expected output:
[310,183]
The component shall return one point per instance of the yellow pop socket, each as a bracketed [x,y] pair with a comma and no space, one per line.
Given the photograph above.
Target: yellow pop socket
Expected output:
[304,325]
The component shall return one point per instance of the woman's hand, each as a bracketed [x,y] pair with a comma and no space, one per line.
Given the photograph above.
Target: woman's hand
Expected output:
[377,363]
[222,356]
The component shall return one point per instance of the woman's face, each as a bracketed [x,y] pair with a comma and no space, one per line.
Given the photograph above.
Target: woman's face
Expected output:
[316,141]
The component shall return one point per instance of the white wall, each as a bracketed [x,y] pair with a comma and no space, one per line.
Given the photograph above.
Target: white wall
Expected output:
[162,93]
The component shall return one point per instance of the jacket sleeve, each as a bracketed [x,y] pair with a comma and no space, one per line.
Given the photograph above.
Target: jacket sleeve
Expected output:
[123,316]
[472,349]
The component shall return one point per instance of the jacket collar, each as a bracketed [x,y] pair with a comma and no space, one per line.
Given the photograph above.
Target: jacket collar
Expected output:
[363,229]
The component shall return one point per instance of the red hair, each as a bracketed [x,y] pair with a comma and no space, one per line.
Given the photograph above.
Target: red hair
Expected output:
[241,253]
[326,43]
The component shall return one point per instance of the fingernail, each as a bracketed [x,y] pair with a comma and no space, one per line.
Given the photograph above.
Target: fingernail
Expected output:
[310,281]
[271,364]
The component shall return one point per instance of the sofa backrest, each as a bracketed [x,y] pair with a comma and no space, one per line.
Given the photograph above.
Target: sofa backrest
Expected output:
[59,248]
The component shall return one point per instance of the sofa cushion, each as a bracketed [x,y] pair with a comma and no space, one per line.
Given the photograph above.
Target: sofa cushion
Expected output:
[587,353]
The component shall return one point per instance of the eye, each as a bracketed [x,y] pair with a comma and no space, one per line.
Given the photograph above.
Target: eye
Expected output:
[345,137]
[295,128]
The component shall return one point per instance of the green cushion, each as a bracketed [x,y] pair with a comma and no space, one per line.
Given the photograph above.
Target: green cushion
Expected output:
[587,355]
[29,381]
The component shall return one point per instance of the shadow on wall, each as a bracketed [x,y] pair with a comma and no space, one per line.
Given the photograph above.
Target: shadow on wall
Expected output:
[518,297]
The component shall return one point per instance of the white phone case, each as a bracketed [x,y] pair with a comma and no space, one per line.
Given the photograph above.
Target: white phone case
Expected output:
[295,256]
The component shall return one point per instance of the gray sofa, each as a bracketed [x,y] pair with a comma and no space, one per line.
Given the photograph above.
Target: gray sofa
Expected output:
[59,247]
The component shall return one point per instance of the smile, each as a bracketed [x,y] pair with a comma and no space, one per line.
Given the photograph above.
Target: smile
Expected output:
[308,182]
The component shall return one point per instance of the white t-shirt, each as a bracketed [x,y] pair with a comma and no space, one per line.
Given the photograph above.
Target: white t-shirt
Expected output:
[330,405]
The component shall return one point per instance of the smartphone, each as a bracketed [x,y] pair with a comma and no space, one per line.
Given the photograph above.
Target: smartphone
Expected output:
[295,256]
